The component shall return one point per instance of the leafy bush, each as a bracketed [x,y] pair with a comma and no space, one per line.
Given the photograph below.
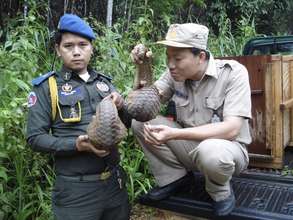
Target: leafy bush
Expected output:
[229,44]
[24,193]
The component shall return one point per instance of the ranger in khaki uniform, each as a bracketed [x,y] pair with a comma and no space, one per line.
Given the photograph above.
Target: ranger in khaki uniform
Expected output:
[211,131]
[88,182]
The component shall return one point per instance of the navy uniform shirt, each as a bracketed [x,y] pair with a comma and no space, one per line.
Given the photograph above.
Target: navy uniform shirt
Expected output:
[58,137]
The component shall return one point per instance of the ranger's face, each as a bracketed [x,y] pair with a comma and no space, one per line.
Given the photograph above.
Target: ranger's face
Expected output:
[183,64]
[75,52]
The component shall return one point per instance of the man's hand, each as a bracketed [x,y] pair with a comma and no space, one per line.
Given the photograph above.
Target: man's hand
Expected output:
[140,53]
[83,144]
[158,134]
[117,99]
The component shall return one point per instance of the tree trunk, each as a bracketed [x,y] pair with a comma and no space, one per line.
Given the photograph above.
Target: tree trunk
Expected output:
[129,14]
[109,13]
[55,11]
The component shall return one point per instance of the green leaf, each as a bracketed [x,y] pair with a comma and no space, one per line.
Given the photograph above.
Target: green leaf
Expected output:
[3,155]
[21,84]
[3,174]
[7,44]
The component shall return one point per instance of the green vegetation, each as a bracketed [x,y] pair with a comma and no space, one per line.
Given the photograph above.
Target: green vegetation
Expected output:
[26,177]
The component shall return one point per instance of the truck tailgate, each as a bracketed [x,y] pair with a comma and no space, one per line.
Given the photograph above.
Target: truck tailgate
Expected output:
[258,196]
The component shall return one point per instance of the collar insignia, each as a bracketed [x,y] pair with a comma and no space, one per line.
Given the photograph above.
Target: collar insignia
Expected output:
[67,76]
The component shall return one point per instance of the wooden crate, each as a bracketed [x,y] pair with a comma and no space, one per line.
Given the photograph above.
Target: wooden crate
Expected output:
[271,81]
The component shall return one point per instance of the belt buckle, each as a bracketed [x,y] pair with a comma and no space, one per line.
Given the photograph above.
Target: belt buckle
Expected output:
[105,175]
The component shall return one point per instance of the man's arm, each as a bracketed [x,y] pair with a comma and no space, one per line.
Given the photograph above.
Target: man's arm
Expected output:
[48,144]
[39,124]
[227,129]
[121,107]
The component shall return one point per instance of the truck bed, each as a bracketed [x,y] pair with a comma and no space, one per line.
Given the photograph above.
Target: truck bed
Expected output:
[259,195]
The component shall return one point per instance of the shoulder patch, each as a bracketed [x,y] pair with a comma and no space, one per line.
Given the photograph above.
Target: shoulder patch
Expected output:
[106,77]
[32,99]
[37,81]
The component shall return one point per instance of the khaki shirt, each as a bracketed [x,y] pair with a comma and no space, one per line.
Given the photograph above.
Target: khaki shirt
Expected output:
[223,91]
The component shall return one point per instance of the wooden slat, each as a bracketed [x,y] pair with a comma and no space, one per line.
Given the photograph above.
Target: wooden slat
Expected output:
[290,66]
[274,164]
[277,148]
[287,58]
[268,106]
[286,87]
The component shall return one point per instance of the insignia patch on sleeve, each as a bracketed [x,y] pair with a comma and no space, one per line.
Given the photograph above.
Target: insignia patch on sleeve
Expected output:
[102,86]
[32,99]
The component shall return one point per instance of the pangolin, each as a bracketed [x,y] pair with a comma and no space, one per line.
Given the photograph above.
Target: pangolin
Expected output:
[106,130]
[143,103]
[144,74]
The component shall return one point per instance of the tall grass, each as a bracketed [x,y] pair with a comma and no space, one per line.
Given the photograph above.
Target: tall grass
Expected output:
[228,43]
[24,55]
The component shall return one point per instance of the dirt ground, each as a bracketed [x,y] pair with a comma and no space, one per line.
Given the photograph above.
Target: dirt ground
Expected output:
[140,212]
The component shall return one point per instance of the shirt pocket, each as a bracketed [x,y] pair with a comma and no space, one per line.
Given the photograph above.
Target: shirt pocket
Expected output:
[183,111]
[214,106]
[69,103]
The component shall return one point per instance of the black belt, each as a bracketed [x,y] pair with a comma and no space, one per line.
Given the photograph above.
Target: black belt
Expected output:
[90,177]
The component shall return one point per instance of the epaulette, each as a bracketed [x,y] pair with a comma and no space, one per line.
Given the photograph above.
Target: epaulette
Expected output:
[37,81]
[104,76]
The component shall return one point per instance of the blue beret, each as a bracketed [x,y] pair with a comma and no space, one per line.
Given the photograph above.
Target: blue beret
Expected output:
[74,24]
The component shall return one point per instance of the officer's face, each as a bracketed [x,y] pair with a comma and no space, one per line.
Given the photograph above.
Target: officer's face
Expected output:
[183,64]
[75,52]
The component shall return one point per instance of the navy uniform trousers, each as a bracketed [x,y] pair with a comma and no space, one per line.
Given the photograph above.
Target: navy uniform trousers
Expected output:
[78,199]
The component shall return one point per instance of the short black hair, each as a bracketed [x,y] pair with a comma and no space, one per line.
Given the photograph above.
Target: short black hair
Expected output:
[58,36]
[197,51]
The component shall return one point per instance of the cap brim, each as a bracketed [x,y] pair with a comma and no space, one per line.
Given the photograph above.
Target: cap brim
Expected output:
[174,44]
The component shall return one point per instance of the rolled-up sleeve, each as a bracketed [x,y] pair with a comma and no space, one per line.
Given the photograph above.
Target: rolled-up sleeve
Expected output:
[165,85]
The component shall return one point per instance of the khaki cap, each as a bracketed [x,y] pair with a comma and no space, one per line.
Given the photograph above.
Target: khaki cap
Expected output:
[187,35]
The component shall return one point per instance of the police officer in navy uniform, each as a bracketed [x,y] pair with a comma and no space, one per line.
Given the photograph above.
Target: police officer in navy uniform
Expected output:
[88,182]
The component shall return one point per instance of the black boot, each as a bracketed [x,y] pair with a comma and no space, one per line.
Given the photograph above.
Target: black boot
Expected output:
[226,206]
[159,193]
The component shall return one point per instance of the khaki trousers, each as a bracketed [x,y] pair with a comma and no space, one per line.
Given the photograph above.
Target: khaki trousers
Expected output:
[216,159]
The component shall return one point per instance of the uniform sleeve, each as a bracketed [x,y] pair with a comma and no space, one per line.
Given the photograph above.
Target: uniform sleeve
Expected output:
[125,116]
[238,94]
[165,85]
[39,124]
[123,113]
